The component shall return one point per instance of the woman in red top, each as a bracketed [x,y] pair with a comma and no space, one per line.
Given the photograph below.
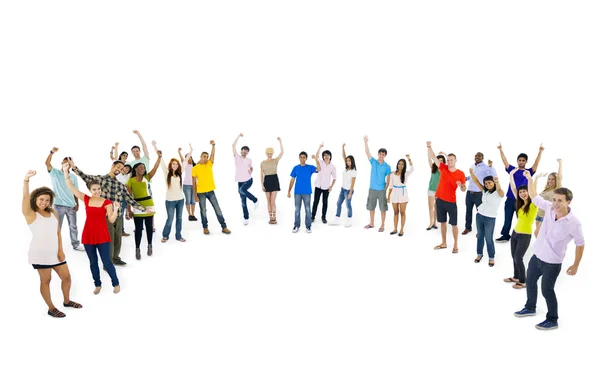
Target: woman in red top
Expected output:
[95,237]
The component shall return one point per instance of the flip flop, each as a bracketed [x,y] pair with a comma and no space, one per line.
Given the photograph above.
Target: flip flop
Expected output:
[369,226]
[381,229]
[439,247]
[454,250]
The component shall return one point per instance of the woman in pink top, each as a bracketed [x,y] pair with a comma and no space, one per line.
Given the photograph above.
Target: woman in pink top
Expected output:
[190,203]
[45,250]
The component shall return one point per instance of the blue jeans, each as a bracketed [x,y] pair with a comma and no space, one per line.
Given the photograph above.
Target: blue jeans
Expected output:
[174,208]
[509,210]
[485,232]
[243,191]
[299,199]
[212,198]
[344,197]
[92,251]
[549,273]
[189,195]
[63,211]
[470,200]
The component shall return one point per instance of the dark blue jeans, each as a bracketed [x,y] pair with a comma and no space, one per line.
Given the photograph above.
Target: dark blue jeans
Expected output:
[344,197]
[104,250]
[549,273]
[212,198]
[300,199]
[174,210]
[485,233]
[472,199]
[509,210]
[244,193]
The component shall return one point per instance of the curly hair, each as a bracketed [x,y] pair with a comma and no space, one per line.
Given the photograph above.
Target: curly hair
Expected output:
[40,191]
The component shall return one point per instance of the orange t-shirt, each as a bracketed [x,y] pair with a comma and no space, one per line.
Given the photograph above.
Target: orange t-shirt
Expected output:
[446,190]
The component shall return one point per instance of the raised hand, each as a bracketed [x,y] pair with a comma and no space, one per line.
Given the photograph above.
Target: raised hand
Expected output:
[241,135]
[153,142]
[29,174]
[500,146]
[408,156]
[212,142]
[116,144]
[471,170]
[136,131]
[279,138]
[490,162]
[496,180]
[180,149]
[159,153]
[344,145]
[526,174]
[314,157]
[54,150]
[65,168]
[542,147]
[428,144]
[559,160]
[366,138]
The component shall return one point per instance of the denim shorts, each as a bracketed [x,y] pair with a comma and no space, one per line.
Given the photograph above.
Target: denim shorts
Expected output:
[189,196]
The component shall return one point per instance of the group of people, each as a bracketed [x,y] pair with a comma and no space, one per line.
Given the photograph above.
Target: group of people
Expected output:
[125,192]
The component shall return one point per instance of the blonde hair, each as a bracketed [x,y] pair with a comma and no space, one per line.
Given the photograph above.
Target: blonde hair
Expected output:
[269,150]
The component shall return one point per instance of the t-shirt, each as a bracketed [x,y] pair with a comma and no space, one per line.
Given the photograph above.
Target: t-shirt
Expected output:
[378,174]
[144,159]
[302,174]
[269,167]
[95,230]
[347,179]
[242,168]
[205,181]
[187,174]
[434,180]
[446,190]
[525,221]
[490,202]
[140,190]
[63,197]
[175,191]
[520,180]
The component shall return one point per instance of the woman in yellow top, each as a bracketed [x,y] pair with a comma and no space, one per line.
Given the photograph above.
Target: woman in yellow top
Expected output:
[521,236]
[553,182]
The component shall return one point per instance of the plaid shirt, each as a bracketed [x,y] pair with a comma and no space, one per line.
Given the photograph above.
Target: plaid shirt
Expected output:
[111,188]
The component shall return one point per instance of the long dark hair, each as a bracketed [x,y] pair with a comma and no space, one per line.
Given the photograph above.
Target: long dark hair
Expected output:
[352,163]
[172,172]
[133,172]
[521,203]
[489,178]
[190,160]
[434,167]
[36,193]
[403,172]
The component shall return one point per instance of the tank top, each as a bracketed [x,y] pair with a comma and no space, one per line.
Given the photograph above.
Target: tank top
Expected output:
[95,230]
[43,248]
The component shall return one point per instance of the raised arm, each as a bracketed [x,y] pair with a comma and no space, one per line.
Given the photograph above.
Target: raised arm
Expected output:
[504,160]
[316,158]
[163,166]
[530,185]
[112,211]
[432,155]
[319,151]
[180,154]
[156,164]
[78,194]
[498,188]
[344,154]
[49,158]
[513,185]
[188,157]
[212,152]
[537,159]
[26,206]
[280,149]
[144,147]
[475,180]
[234,145]
[86,178]
[114,154]
[366,139]
[559,174]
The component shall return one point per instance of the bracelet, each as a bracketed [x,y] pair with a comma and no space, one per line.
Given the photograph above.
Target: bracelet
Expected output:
[25,181]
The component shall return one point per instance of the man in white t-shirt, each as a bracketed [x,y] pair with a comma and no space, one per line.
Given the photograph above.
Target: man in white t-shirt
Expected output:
[243,176]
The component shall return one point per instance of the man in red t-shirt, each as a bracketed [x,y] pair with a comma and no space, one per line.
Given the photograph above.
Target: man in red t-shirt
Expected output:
[445,203]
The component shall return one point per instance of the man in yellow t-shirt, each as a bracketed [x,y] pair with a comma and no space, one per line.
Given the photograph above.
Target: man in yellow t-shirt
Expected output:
[203,184]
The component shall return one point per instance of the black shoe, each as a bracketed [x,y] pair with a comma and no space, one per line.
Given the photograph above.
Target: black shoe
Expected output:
[120,263]
[312,218]
[503,239]
[194,218]
[434,227]
[190,218]
[324,220]
[138,254]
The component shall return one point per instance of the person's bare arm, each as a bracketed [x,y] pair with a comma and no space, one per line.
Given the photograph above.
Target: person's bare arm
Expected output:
[291,186]
[351,187]
[498,188]
[180,154]
[387,181]
[188,157]
[49,158]
[144,147]
[504,160]
[366,139]
[432,154]
[26,207]
[112,211]
[317,162]
[537,159]
[559,174]
[513,185]
[156,164]
[262,179]
[344,154]
[194,179]
[212,152]
[60,253]
[280,149]
[319,151]
[234,145]
[78,194]
[578,255]
[475,180]
[530,185]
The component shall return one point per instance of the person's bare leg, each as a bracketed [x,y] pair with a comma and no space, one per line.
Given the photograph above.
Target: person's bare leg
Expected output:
[65,278]
[455,235]
[431,202]
[382,219]
[193,209]
[187,207]
[396,213]
[402,216]
[443,229]
[45,277]
[372,217]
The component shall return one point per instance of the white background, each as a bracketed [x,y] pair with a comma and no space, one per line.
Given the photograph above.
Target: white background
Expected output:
[264,307]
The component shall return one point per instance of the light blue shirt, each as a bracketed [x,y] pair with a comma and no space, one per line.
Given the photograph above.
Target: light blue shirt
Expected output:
[481,170]
[64,197]
[378,174]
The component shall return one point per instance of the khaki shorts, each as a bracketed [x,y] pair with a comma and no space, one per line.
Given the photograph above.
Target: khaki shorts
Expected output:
[374,196]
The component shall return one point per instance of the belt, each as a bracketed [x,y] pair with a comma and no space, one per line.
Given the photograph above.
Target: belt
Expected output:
[142,199]
[400,187]
[474,192]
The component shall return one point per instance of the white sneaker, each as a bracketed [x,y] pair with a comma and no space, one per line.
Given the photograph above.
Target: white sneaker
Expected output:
[256,205]
[79,248]
[295,230]
[348,223]
[246,221]
[336,221]
[308,230]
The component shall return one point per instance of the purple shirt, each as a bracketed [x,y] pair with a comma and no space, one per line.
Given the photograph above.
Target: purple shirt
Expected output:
[520,180]
[555,235]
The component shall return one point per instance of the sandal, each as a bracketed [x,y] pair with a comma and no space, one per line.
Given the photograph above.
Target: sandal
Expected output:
[381,229]
[369,226]
[439,247]
[511,280]
[56,313]
[454,250]
[478,259]
[181,239]
[519,285]
[164,239]
[75,305]
[491,263]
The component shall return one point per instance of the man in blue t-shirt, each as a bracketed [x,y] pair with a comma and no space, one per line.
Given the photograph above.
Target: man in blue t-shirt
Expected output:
[301,175]
[65,203]
[511,202]
[380,181]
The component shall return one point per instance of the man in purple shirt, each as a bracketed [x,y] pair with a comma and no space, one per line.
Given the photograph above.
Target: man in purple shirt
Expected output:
[474,195]
[511,201]
[559,227]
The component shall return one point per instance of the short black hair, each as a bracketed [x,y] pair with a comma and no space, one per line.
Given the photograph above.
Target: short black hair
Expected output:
[522,155]
[246,148]
[382,150]
[303,153]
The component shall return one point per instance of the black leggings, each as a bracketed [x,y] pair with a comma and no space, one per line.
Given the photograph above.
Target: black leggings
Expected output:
[519,242]
[318,193]
[139,227]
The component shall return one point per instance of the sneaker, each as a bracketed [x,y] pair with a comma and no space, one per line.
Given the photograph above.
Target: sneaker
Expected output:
[296,229]
[149,252]
[119,262]
[79,248]
[336,221]
[256,205]
[348,223]
[324,220]
[547,325]
[206,231]
[308,230]
[503,239]
[525,313]
[226,231]
[246,221]
[194,218]
[190,218]
[138,254]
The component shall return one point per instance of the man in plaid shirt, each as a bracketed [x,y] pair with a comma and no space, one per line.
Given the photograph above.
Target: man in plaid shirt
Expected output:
[117,192]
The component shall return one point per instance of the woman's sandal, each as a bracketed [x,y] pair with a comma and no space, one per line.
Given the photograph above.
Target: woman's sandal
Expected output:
[75,305]
[491,263]
[56,313]
[519,285]
[478,259]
